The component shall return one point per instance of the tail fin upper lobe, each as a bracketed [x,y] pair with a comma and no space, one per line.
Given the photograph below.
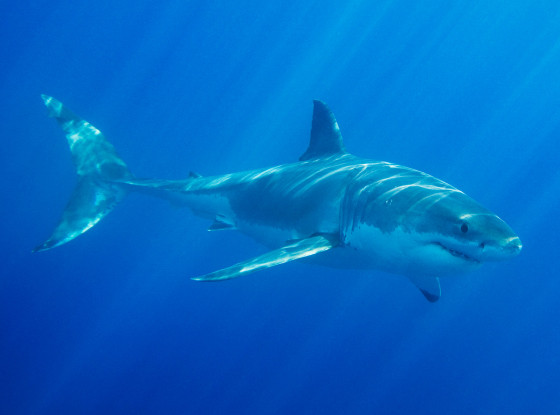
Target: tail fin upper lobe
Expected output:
[99,170]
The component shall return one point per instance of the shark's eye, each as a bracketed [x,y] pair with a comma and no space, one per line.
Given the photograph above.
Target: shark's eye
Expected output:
[464,228]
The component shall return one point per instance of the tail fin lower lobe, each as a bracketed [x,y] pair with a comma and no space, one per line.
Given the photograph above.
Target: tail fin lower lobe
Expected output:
[99,171]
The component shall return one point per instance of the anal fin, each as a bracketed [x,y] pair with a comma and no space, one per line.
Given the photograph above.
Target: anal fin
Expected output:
[221,223]
[300,249]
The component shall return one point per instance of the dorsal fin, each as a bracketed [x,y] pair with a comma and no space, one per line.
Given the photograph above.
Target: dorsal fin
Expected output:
[326,139]
[194,175]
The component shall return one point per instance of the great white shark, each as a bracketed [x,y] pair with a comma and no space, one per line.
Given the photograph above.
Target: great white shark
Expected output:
[331,207]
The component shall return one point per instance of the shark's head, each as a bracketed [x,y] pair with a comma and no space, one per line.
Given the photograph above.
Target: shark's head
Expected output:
[429,230]
[456,230]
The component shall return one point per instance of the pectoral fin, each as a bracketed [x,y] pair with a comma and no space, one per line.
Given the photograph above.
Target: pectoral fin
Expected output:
[300,249]
[429,286]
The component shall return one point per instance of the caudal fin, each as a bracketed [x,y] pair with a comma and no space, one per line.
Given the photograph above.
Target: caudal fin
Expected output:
[99,170]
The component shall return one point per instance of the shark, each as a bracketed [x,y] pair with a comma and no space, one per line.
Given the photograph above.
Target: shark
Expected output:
[329,208]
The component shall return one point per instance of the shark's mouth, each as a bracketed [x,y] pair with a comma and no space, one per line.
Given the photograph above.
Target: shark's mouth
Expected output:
[457,254]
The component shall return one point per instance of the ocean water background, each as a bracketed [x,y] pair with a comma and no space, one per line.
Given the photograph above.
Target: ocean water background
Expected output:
[468,91]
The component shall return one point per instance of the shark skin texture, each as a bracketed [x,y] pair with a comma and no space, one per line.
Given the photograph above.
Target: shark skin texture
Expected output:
[330,207]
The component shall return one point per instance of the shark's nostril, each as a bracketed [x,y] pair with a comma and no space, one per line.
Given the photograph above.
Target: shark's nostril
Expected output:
[514,245]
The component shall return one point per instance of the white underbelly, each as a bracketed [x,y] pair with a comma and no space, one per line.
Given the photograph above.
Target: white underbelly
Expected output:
[269,236]
[405,253]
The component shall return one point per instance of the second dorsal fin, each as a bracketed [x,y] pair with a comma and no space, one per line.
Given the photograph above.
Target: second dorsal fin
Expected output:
[326,139]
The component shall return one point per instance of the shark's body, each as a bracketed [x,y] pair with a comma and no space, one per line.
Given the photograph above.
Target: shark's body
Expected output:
[337,209]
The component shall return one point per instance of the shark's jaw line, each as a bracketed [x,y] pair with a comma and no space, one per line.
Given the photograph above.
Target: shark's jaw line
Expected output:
[330,206]
[457,254]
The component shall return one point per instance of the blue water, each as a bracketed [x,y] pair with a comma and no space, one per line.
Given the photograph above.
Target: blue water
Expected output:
[468,91]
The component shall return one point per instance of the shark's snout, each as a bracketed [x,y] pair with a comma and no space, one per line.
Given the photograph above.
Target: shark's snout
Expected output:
[513,246]
[508,248]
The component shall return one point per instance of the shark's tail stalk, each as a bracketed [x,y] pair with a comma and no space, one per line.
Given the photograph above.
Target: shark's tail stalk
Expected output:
[99,170]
